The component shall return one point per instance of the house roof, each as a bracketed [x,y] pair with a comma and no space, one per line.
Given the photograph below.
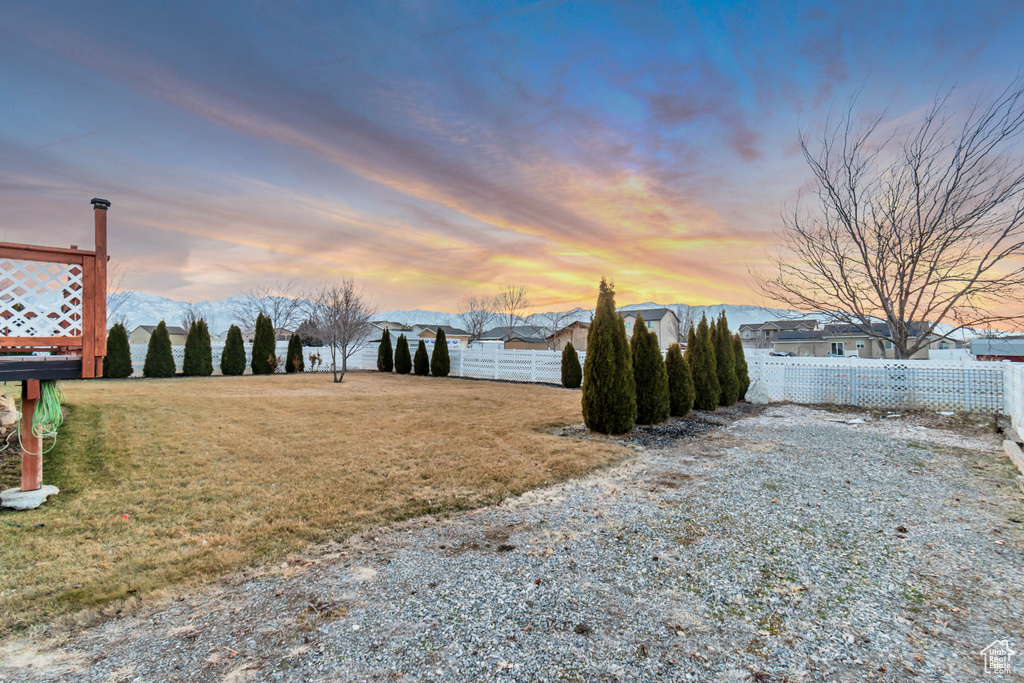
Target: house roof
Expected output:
[881,329]
[649,314]
[800,336]
[528,340]
[519,331]
[448,330]
[1001,346]
[171,329]
[790,325]
[854,331]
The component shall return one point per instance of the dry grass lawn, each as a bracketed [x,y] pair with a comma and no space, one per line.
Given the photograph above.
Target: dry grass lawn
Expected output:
[222,473]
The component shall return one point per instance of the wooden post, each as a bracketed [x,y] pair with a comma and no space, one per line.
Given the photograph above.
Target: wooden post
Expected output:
[99,330]
[32,455]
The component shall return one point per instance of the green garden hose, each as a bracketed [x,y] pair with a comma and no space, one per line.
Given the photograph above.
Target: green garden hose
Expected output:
[48,416]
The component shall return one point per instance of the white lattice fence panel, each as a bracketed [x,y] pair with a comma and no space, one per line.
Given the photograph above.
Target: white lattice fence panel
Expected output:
[882,383]
[478,364]
[40,299]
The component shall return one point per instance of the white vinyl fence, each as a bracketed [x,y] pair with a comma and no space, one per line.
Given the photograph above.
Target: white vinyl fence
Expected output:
[985,386]
[940,385]
[1013,389]
[502,364]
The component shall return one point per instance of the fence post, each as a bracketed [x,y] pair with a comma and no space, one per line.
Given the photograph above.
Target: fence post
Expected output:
[462,354]
[533,366]
[497,353]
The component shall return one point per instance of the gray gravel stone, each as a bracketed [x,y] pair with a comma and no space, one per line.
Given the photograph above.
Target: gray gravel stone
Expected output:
[787,546]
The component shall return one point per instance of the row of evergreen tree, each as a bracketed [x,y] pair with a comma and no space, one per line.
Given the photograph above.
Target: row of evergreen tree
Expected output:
[628,382]
[437,364]
[198,360]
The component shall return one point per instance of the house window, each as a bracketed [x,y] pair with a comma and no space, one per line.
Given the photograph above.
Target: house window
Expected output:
[838,349]
[746,334]
[629,324]
[888,345]
[650,325]
[860,345]
[943,345]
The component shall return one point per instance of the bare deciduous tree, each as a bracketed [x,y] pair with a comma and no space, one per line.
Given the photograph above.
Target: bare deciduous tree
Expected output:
[196,312]
[477,314]
[548,325]
[685,319]
[510,304]
[911,226]
[341,315]
[282,302]
[118,297]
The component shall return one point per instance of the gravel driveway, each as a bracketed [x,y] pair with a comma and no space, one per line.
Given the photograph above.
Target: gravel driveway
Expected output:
[785,546]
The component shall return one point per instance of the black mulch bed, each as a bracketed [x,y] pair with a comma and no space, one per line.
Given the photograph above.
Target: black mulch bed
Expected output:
[697,423]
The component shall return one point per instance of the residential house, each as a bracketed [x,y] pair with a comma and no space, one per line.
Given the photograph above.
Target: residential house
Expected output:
[661,321]
[763,335]
[388,325]
[575,332]
[526,343]
[428,333]
[998,348]
[142,333]
[849,340]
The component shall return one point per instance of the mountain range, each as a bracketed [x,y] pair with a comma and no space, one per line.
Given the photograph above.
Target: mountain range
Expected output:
[142,308]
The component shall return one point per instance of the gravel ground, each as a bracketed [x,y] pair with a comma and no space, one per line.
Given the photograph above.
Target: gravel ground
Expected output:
[789,545]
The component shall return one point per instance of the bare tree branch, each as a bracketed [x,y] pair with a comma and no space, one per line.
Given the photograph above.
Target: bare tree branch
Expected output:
[510,305]
[548,325]
[477,314]
[283,303]
[917,227]
[118,297]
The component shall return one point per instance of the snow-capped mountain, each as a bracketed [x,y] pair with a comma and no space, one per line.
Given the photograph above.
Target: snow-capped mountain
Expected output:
[142,308]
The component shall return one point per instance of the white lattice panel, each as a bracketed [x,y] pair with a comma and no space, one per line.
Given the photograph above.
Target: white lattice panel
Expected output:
[892,384]
[40,299]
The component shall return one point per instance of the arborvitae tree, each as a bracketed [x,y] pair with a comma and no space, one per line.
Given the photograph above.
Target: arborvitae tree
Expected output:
[206,350]
[742,372]
[609,390]
[118,362]
[725,360]
[294,362]
[652,401]
[680,382]
[263,346]
[421,361]
[572,372]
[440,365]
[232,359]
[691,341]
[704,369]
[194,363]
[403,361]
[385,361]
[159,357]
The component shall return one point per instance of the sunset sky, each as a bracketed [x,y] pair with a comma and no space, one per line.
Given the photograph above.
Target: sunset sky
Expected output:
[432,148]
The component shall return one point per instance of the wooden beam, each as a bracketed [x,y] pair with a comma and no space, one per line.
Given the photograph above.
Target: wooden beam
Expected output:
[27,252]
[32,453]
[65,342]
